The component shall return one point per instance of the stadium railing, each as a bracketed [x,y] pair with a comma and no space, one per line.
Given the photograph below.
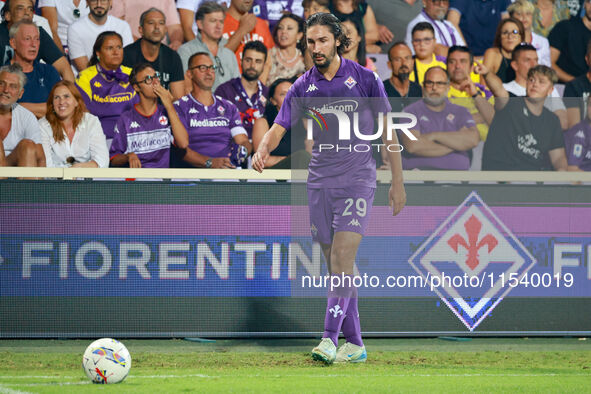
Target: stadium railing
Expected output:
[383,176]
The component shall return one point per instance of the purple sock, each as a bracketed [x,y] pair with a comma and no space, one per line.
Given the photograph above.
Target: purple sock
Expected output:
[336,310]
[351,326]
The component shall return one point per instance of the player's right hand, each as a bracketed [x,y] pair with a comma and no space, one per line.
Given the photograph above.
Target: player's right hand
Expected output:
[259,159]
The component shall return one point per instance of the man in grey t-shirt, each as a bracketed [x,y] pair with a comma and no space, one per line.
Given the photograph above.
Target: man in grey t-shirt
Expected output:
[210,20]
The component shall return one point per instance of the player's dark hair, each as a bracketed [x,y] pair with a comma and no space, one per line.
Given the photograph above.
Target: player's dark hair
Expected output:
[397,43]
[301,45]
[208,7]
[460,48]
[520,48]
[333,24]
[255,45]
[98,44]
[138,68]
[144,15]
[194,56]
[422,26]
[278,82]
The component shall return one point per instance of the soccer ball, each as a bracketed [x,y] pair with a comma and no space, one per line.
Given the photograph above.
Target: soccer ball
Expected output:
[106,361]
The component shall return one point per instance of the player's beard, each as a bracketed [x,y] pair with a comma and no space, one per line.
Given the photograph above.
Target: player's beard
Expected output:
[327,60]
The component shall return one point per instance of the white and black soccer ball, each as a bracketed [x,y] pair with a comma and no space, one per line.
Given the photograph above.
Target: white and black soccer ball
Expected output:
[106,361]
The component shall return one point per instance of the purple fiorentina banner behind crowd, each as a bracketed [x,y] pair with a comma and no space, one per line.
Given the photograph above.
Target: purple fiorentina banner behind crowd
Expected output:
[471,255]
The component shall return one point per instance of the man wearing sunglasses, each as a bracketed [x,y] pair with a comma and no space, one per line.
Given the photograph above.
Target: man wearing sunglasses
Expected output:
[445,132]
[144,133]
[210,21]
[217,138]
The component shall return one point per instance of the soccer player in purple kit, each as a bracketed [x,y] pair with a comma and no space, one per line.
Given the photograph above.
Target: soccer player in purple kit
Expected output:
[217,138]
[142,135]
[341,184]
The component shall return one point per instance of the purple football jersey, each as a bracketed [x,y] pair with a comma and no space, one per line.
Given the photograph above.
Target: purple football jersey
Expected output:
[106,99]
[452,118]
[577,142]
[348,163]
[149,137]
[211,129]
[251,108]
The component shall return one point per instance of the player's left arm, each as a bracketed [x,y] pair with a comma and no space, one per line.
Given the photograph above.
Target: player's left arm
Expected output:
[558,159]
[396,194]
[462,140]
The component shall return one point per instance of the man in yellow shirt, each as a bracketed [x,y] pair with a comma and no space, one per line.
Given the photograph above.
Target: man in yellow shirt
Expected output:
[460,65]
[473,96]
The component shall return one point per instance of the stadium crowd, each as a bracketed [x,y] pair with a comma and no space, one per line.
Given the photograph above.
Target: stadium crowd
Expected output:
[493,84]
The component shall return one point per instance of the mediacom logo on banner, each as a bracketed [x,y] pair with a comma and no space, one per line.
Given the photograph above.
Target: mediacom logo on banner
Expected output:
[343,111]
[473,241]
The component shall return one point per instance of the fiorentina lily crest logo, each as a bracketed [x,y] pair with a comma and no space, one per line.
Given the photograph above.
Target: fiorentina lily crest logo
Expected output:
[472,242]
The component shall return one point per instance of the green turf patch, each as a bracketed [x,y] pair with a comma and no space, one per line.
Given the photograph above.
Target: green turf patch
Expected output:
[419,365]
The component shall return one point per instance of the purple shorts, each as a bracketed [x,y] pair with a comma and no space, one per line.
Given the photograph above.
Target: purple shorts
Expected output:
[334,210]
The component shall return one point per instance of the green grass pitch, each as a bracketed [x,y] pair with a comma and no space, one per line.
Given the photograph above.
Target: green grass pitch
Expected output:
[480,365]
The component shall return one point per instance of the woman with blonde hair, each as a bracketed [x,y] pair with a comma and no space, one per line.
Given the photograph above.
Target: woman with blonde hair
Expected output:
[71,137]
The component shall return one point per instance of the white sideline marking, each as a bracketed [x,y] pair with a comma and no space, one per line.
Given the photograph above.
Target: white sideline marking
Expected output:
[300,375]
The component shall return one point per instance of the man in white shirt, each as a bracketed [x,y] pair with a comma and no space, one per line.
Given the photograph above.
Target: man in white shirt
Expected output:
[446,34]
[19,130]
[83,33]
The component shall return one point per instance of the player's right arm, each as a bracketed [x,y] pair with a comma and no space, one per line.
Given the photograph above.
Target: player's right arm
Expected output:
[396,194]
[270,141]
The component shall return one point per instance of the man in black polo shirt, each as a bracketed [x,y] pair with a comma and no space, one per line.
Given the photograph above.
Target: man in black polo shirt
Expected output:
[149,49]
[17,10]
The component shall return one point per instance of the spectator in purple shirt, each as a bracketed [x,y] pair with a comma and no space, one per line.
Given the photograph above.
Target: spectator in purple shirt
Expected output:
[577,143]
[247,92]
[217,138]
[144,133]
[445,132]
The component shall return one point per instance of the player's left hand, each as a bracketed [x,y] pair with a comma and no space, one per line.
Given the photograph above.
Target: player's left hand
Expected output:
[397,198]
